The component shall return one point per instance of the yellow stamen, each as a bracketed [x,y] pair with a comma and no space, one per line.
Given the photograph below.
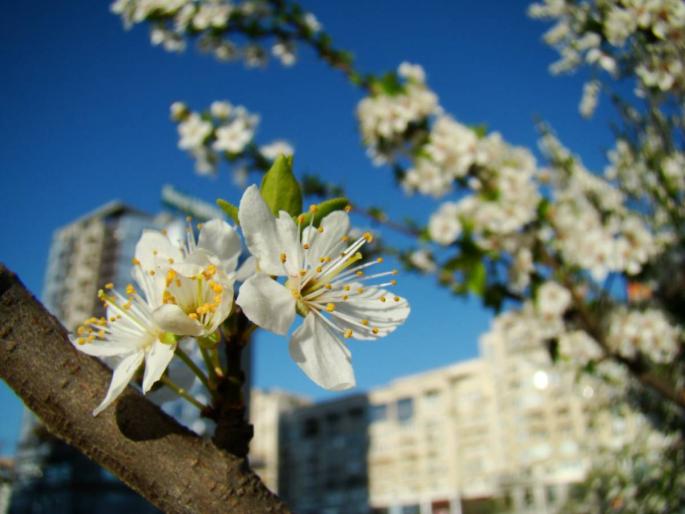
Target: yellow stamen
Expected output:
[192,315]
[348,208]
[109,285]
[305,246]
[170,276]
[345,297]
[330,307]
[368,236]
[397,298]
[382,298]
[209,271]
[379,260]
[374,330]
[170,260]
[359,273]
[365,322]
[348,333]
[130,289]
[135,262]
[393,282]
[313,208]
[320,230]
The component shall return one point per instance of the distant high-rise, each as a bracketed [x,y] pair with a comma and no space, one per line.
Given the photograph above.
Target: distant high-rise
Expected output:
[52,477]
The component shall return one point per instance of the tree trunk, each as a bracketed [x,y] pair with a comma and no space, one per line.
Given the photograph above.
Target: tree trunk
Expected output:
[173,468]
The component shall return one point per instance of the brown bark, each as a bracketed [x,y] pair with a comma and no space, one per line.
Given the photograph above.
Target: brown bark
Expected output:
[173,468]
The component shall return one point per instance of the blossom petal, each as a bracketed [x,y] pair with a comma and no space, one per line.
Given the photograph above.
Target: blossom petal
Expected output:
[259,228]
[321,355]
[172,318]
[123,373]
[246,269]
[267,303]
[104,348]
[156,361]
[327,240]
[289,237]
[153,248]
[220,239]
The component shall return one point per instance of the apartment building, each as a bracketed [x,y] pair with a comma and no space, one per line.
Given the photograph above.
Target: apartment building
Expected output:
[266,411]
[509,432]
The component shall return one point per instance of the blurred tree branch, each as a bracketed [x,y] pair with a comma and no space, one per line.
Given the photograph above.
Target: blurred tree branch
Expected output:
[170,466]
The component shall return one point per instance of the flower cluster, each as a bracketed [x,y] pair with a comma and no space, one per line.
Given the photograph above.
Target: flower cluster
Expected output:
[502,194]
[223,130]
[173,22]
[621,37]
[187,291]
[647,332]
[593,229]
[395,108]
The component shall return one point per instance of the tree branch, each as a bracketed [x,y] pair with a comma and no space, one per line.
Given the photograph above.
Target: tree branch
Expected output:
[173,468]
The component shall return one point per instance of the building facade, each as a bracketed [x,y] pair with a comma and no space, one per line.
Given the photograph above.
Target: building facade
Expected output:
[509,432]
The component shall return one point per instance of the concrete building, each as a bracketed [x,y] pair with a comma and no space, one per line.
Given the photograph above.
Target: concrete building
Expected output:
[266,411]
[509,432]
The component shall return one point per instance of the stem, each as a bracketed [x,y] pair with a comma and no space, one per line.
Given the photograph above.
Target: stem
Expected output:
[182,393]
[233,431]
[210,365]
[194,368]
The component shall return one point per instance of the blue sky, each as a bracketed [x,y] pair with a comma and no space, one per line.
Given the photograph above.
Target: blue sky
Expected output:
[85,120]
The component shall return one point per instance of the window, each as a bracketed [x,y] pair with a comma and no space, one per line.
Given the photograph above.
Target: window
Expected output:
[379,412]
[310,428]
[411,509]
[405,410]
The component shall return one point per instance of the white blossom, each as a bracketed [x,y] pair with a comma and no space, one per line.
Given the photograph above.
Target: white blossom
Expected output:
[647,332]
[322,284]
[193,131]
[444,226]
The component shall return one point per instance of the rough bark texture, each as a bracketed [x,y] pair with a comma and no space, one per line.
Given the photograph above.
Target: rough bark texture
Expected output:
[173,468]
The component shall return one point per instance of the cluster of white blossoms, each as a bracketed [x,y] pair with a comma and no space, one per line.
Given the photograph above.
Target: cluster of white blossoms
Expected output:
[386,116]
[224,130]
[641,37]
[173,22]
[650,172]
[591,227]
[186,290]
[536,321]
[502,195]
[648,332]
[451,150]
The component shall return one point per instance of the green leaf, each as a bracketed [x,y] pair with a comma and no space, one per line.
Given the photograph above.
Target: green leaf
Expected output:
[324,209]
[230,210]
[477,279]
[280,189]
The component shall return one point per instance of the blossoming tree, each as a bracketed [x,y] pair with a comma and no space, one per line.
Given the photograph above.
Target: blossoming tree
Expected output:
[587,265]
